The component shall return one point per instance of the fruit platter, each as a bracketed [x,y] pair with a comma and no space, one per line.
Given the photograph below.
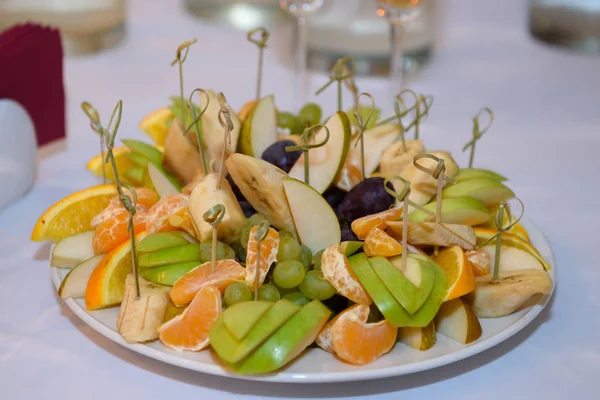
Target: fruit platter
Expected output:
[266,245]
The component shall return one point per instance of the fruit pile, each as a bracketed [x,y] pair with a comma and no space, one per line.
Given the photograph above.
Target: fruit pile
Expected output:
[329,269]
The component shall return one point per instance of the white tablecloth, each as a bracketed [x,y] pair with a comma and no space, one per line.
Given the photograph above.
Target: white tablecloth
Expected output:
[545,139]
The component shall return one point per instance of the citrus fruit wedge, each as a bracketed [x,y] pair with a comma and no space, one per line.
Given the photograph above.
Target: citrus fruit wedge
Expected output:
[362,226]
[458,271]
[106,285]
[335,268]
[226,272]
[159,214]
[268,255]
[379,243]
[110,233]
[124,163]
[189,330]
[73,214]
[155,125]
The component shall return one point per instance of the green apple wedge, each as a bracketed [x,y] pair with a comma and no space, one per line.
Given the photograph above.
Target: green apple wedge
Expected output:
[163,240]
[418,338]
[163,183]
[135,175]
[170,255]
[489,191]
[473,173]
[409,295]
[138,159]
[315,221]
[326,162]
[145,150]
[459,210]
[168,274]
[457,321]
[72,250]
[351,247]
[259,129]
[241,317]
[75,282]
[393,312]
[232,350]
[288,342]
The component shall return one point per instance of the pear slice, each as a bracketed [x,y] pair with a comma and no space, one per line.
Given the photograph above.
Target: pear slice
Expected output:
[316,223]
[512,258]
[261,184]
[181,158]
[489,191]
[418,338]
[460,210]
[473,173]
[162,182]
[394,159]
[206,195]
[326,162]
[72,250]
[259,129]
[456,320]
[75,282]
[433,234]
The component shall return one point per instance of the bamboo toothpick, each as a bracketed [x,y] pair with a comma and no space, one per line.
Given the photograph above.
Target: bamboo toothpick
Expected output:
[213,216]
[180,57]
[478,132]
[362,126]
[227,124]
[261,43]
[340,72]
[96,126]
[420,109]
[195,123]
[305,146]
[402,197]
[261,232]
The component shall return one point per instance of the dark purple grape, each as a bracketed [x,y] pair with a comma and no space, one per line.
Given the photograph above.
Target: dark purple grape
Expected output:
[334,196]
[348,235]
[236,190]
[368,197]
[247,208]
[276,155]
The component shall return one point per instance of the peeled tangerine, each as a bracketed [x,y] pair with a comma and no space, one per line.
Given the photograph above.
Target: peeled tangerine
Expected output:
[268,255]
[336,270]
[362,226]
[379,243]
[358,342]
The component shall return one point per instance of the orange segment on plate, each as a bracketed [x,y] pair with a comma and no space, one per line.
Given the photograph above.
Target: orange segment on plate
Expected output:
[189,330]
[268,255]
[155,125]
[362,226]
[123,162]
[379,243]
[225,273]
[336,270]
[112,232]
[73,214]
[358,342]
[458,271]
[159,214]
[106,285]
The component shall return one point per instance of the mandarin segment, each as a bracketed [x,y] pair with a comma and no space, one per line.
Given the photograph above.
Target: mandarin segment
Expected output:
[159,215]
[268,255]
[114,231]
[458,271]
[362,226]
[379,243]
[336,270]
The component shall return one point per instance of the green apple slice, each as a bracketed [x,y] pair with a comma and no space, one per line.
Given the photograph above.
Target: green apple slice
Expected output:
[427,312]
[168,274]
[170,255]
[351,247]
[457,321]
[410,296]
[138,159]
[326,162]
[459,210]
[72,250]
[163,240]
[163,183]
[383,299]
[418,338]
[135,175]
[75,282]
[316,223]
[145,150]
[473,173]
[259,129]
[241,317]
[488,191]
[288,342]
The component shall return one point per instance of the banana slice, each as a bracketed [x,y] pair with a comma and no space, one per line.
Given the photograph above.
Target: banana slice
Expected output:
[433,234]
[261,184]
[394,159]
[140,318]
[492,299]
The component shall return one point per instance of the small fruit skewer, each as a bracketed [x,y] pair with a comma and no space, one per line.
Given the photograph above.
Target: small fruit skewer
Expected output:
[92,114]
[214,216]
[478,133]
[362,126]
[227,124]
[261,232]
[180,57]
[196,119]
[261,44]
[340,73]
[305,146]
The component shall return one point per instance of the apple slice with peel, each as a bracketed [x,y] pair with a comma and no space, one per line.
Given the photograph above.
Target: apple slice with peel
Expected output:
[472,173]
[489,191]
[459,210]
[288,342]
[457,321]
[241,317]
[143,149]
[171,255]
[259,129]
[351,247]
[75,282]
[326,162]
[512,258]
[418,338]
[163,183]
[163,240]
[167,275]
[72,250]
[316,223]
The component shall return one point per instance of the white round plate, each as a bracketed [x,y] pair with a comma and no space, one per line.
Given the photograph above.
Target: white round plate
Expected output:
[316,365]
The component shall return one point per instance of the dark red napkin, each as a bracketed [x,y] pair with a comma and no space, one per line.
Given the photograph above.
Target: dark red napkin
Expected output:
[31,73]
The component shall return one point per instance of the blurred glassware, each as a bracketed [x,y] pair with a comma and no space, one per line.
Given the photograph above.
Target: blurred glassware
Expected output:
[243,15]
[569,23]
[86,26]
[301,10]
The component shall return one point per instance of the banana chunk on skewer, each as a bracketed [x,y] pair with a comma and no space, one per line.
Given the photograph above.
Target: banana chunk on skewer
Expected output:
[394,159]
[434,234]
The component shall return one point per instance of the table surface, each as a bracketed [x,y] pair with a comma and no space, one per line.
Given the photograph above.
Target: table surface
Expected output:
[545,139]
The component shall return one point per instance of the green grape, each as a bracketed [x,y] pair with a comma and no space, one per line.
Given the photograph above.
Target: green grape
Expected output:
[297,298]
[283,291]
[316,287]
[255,219]
[237,292]
[288,274]
[268,293]
[317,260]
[289,121]
[242,253]
[306,257]
[289,249]
[287,234]
[310,114]
[224,251]
[245,235]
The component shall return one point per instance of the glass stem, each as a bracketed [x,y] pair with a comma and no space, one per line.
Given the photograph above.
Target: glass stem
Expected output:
[300,62]
[397,57]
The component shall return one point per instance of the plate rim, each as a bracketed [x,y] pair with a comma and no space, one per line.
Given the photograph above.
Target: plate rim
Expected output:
[331,377]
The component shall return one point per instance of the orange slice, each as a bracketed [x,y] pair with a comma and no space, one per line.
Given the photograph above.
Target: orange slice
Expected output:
[160,213]
[189,330]
[458,271]
[124,163]
[336,270]
[226,272]
[379,243]
[362,226]
[480,261]
[358,342]
[106,285]
[113,231]
[73,214]
[155,125]
[268,255]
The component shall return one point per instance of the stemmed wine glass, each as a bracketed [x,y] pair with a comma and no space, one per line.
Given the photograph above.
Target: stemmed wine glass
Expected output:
[399,13]
[301,10]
